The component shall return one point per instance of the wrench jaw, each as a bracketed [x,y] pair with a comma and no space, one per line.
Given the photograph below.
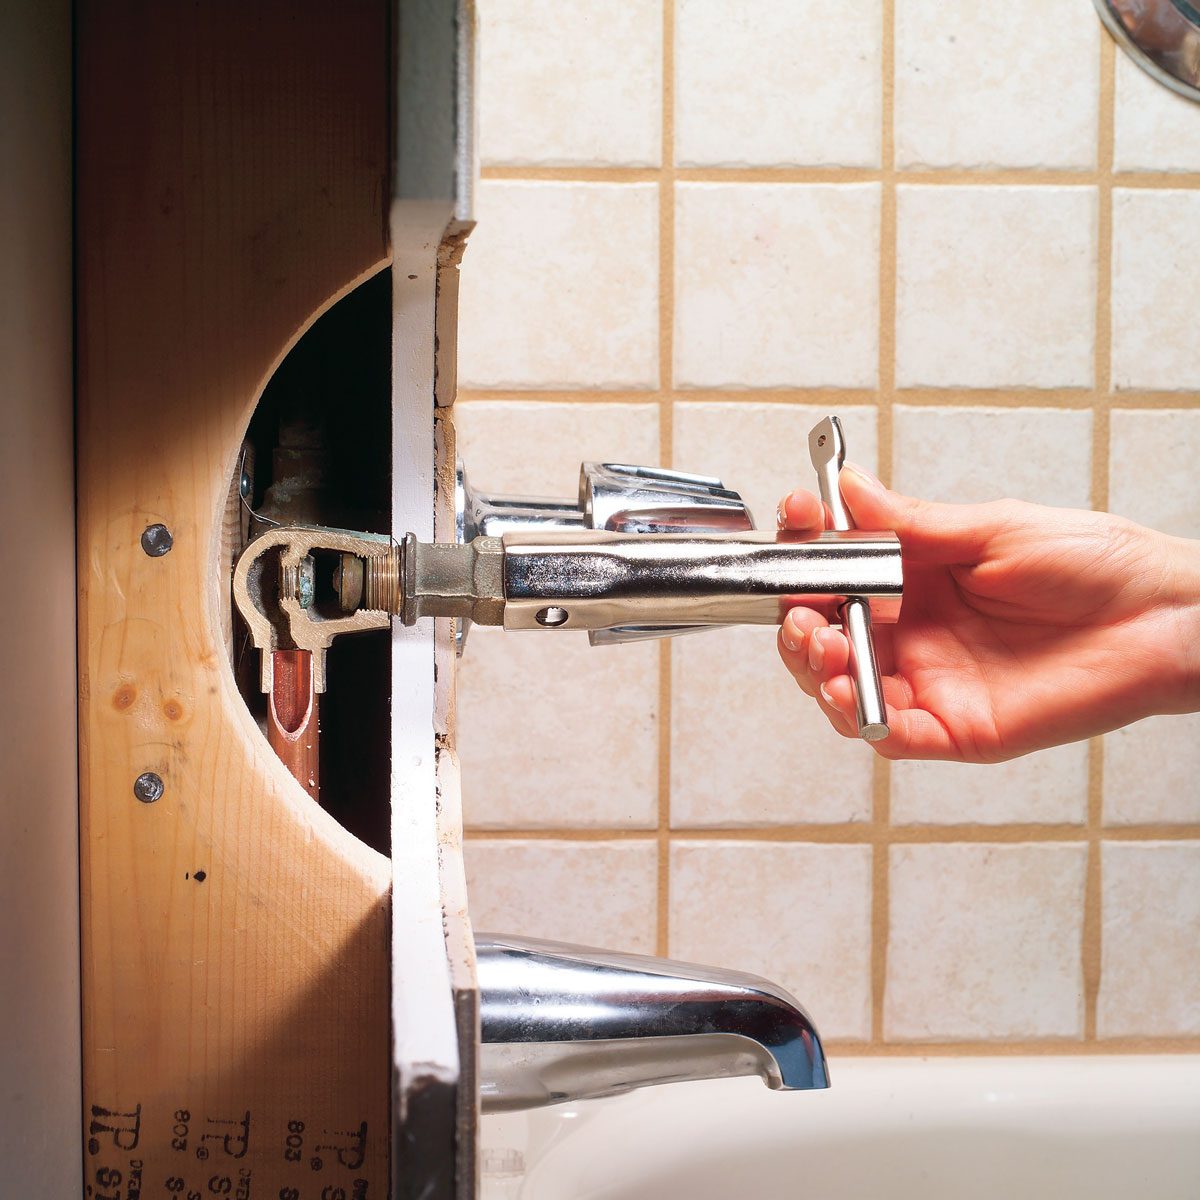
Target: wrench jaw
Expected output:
[274,606]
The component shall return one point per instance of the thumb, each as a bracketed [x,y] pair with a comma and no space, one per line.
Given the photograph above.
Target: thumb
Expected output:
[929,532]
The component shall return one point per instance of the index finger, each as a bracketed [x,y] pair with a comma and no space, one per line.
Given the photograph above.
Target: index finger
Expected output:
[802,512]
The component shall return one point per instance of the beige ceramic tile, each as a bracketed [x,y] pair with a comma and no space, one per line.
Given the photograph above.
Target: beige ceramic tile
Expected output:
[968,455]
[761,450]
[570,760]
[797,914]
[1152,772]
[760,83]
[985,942]
[995,286]
[1152,469]
[1155,289]
[560,287]
[555,733]
[980,84]
[534,447]
[748,747]
[593,893]
[776,285]
[1044,788]
[1156,130]
[570,82]
[1150,974]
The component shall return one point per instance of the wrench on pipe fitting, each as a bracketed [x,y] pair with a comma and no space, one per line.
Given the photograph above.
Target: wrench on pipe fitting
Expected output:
[587,579]
[827,447]
[663,560]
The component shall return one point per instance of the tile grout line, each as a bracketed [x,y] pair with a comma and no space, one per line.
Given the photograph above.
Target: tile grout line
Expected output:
[1091,956]
[1083,398]
[847,833]
[931,176]
[1144,1044]
[881,773]
[666,449]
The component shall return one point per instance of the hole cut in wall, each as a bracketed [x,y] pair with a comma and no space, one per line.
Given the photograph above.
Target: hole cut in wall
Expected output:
[318,452]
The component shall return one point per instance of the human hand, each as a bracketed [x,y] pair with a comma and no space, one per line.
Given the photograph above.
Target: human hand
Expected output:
[1022,626]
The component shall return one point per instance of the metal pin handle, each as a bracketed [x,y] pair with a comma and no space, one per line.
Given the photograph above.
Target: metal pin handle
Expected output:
[827,448]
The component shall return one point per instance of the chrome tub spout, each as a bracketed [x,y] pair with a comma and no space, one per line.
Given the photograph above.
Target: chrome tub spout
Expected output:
[564,1022]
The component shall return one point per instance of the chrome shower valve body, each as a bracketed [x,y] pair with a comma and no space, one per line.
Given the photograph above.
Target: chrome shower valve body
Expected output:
[613,496]
[620,498]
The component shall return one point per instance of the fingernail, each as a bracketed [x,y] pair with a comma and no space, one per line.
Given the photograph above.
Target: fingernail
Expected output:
[863,474]
[793,638]
[816,652]
[826,696]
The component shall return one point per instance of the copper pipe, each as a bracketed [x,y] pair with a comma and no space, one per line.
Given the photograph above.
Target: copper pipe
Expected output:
[292,717]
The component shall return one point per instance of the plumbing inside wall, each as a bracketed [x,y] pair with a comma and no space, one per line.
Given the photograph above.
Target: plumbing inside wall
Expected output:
[317,452]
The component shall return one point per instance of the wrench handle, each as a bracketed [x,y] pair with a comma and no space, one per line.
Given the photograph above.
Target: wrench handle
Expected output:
[828,451]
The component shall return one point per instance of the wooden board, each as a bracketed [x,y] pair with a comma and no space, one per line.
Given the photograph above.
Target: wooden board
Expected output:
[232,182]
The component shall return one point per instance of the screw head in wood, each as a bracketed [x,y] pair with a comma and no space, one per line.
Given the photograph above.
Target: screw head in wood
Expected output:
[148,787]
[157,540]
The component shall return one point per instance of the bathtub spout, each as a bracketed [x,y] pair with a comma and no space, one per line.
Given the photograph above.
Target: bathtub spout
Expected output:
[563,1023]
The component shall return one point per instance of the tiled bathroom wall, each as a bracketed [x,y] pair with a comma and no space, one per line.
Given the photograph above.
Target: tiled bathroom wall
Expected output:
[972,230]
